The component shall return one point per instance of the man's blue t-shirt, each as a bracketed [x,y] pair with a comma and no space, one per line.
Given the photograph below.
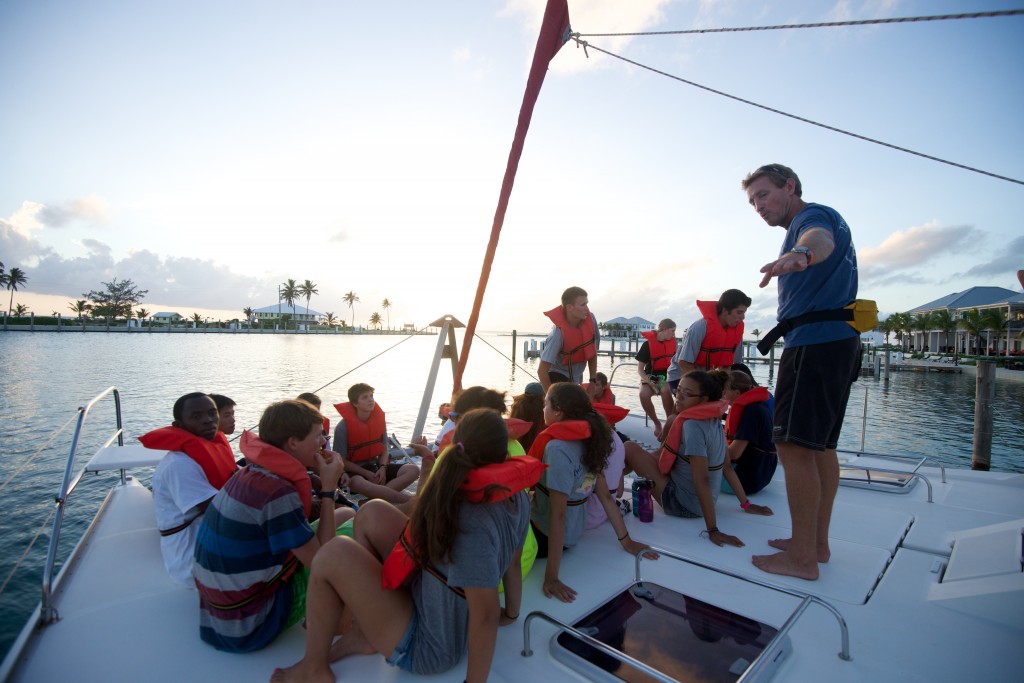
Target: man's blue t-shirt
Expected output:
[827,285]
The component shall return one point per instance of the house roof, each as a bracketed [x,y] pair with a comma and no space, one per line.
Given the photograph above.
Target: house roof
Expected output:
[166,314]
[285,308]
[972,298]
[635,320]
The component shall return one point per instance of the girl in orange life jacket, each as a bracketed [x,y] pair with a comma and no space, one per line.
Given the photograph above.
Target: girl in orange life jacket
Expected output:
[751,460]
[687,472]
[575,446]
[426,624]
[653,360]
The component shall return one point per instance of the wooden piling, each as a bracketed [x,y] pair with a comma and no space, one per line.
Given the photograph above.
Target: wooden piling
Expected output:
[514,347]
[984,397]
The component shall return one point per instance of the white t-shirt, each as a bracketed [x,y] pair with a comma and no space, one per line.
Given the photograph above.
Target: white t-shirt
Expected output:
[179,486]
[612,473]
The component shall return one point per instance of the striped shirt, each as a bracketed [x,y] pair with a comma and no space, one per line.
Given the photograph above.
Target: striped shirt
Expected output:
[245,540]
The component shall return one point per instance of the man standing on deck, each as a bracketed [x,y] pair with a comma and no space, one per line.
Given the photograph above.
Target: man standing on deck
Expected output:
[572,343]
[817,271]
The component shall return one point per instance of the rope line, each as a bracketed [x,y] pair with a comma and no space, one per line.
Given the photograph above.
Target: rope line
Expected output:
[940,160]
[17,565]
[525,371]
[823,24]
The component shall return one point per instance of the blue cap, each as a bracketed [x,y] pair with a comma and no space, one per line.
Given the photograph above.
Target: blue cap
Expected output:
[534,389]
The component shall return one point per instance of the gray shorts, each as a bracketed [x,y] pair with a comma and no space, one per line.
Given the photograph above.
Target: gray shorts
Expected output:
[811,395]
[671,505]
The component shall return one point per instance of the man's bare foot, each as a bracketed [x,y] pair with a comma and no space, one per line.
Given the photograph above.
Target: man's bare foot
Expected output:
[824,553]
[657,430]
[300,673]
[352,643]
[783,563]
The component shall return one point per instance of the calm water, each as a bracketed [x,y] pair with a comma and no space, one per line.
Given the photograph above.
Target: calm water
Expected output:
[47,376]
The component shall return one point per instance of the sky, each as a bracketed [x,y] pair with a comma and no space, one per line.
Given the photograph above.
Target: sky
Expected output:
[209,151]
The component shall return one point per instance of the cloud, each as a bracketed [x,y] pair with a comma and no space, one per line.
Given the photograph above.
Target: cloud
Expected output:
[91,209]
[917,245]
[1008,261]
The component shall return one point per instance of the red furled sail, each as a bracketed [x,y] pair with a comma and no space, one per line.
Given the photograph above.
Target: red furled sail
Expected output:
[554,33]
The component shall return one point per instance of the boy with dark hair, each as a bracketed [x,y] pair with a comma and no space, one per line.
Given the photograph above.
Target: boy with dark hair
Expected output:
[715,340]
[361,438]
[226,411]
[199,463]
[571,346]
[256,532]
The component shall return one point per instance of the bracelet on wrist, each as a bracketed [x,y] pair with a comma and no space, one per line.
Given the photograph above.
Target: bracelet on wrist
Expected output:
[625,535]
[744,506]
[713,530]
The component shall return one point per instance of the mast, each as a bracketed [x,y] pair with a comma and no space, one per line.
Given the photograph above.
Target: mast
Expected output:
[554,33]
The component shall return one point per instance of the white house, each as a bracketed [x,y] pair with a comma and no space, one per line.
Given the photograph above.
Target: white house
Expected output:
[166,318]
[627,327]
[299,316]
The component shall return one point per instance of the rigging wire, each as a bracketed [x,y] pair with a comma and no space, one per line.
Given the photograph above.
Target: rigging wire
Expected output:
[38,452]
[823,24]
[525,371]
[587,46]
[17,565]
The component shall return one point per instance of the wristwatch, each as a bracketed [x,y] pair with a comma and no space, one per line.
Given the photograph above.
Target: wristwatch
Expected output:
[803,250]
[333,495]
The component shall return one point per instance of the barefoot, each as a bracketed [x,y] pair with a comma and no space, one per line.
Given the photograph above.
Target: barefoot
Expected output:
[352,643]
[657,430]
[782,563]
[300,673]
[824,553]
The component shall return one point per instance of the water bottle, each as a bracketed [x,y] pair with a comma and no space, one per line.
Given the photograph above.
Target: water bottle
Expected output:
[646,502]
[636,495]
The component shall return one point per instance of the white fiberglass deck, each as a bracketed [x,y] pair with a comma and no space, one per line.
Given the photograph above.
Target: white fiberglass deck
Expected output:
[123,619]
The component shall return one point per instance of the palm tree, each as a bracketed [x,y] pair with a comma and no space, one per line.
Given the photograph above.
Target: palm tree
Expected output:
[141,314]
[289,293]
[972,322]
[20,310]
[922,322]
[945,322]
[994,321]
[901,327]
[12,280]
[375,319]
[196,318]
[350,299]
[329,318]
[80,307]
[247,312]
[887,327]
[387,304]
[308,289]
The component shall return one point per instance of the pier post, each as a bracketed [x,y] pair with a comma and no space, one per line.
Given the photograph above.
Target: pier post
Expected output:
[514,347]
[887,352]
[984,397]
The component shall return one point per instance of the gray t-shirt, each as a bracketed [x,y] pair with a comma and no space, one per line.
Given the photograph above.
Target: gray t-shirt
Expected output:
[553,354]
[565,473]
[700,438]
[693,339]
[489,535]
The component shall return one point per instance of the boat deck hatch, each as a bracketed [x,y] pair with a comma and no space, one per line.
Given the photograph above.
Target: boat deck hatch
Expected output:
[684,638]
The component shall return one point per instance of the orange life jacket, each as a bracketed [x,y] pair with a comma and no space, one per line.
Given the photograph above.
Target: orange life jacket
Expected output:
[577,342]
[732,422]
[704,411]
[486,484]
[516,428]
[661,351]
[606,396]
[611,412]
[327,425]
[718,349]
[566,430]
[272,458]
[214,456]
[365,439]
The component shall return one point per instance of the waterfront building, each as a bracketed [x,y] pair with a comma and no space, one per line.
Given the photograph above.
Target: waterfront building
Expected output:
[629,328]
[166,318]
[1009,340]
[300,316]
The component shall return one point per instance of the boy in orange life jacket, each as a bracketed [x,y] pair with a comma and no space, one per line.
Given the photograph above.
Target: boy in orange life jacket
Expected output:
[653,360]
[715,340]
[572,344]
[200,461]
[361,438]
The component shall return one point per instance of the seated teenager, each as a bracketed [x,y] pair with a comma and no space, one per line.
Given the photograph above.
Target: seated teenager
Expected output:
[748,432]
[226,412]
[187,478]
[255,533]
[426,601]
[361,439]
[687,473]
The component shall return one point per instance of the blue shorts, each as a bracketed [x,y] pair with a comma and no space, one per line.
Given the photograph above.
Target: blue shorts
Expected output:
[402,655]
